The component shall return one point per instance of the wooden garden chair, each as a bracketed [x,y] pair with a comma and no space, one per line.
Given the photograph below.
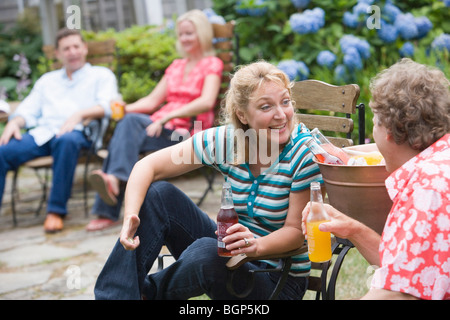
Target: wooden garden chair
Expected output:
[336,103]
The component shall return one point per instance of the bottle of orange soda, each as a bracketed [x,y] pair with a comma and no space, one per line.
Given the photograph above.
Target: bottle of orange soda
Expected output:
[319,242]
[117,108]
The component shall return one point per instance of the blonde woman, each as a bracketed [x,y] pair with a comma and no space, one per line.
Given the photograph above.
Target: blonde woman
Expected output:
[267,196]
[187,91]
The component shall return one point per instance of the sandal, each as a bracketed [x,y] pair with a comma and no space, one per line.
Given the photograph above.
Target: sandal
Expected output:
[100,182]
[101,224]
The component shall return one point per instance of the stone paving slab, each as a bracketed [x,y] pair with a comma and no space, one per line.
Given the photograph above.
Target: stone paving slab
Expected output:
[21,280]
[65,266]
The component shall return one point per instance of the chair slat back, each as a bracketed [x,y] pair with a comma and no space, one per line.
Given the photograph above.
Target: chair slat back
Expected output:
[226,50]
[224,45]
[312,95]
[99,53]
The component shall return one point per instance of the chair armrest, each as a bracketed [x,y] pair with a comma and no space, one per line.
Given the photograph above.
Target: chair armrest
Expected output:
[94,130]
[236,261]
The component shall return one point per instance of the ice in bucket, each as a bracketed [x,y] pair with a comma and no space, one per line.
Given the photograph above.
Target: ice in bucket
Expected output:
[362,157]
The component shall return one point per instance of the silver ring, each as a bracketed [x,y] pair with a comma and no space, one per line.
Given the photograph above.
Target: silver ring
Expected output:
[247,243]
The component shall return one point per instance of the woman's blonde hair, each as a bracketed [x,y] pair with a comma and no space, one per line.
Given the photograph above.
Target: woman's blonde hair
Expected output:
[246,80]
[203,28]
[413,102]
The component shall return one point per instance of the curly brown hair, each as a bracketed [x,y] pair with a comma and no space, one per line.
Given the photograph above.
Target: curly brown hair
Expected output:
[413,102]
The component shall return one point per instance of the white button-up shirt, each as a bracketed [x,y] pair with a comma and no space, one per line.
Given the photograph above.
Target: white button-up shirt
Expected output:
[55,97]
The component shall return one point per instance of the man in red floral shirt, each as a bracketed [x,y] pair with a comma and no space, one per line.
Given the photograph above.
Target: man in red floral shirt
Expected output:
[411,106]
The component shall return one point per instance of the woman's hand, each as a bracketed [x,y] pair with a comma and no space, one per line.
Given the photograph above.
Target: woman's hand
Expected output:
[154,129]
[130,225]
[241,240]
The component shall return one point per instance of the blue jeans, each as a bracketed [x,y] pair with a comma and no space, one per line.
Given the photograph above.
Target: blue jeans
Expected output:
[169,217]
[65,151]
[129,140]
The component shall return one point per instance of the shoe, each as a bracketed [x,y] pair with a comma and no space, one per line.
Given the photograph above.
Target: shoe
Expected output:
[100,182]
[101,224]
[53,223]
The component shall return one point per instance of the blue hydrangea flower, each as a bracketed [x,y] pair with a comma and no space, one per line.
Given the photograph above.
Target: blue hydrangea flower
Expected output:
[390,12]
[351,41]
[352,59]
[256,9]
[358,15]
[447,3]
[213,17]
[407,50]
[350,20]
[387,32]
[360,8]
[423,25]
[340,74]
[257,12]
[303,70]
[441,42]
[326,58]
[295,70]
[405,24]
[209,12]
[241,8]
[319,14]
[217,20]
[310,21]
[363,49]
[289,67]
[300,4]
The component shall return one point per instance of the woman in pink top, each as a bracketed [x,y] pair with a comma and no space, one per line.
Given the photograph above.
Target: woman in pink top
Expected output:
[187,92]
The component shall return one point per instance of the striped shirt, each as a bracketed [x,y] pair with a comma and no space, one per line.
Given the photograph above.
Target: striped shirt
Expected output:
[262,202]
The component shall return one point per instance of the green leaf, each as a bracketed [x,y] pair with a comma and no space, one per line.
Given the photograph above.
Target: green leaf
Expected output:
[8,83]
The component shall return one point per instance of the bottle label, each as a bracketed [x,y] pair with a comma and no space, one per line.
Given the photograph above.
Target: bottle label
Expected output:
[319,243]
[222,232]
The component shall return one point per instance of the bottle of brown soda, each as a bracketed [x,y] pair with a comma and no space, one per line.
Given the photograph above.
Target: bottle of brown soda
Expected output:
[226,218]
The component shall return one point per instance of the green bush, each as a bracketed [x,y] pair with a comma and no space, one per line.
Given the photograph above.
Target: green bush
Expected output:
[144,52]
[20,50]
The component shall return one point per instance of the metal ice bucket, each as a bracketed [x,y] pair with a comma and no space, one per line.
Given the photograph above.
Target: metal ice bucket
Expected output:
[359,191]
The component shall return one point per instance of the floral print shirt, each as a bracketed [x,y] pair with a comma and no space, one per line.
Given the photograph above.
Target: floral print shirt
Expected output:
[415,244]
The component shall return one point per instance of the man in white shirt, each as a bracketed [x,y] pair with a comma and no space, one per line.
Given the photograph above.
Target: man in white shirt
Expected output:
[55,110]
